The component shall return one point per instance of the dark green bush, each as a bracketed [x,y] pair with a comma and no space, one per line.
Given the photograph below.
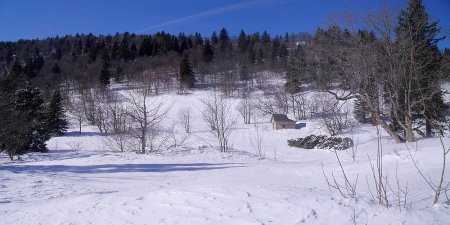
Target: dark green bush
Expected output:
[321,142]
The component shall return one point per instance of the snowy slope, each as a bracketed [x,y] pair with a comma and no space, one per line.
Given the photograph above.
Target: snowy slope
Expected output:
[80,181]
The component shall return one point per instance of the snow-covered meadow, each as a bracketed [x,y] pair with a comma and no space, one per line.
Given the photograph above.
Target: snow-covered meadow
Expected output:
[82,181]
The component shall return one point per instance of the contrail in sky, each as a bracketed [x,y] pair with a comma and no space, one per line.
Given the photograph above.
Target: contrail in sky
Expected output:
[205,14]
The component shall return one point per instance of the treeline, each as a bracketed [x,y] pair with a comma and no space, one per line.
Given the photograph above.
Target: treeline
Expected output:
[91,60]
[393,69]
[37,76]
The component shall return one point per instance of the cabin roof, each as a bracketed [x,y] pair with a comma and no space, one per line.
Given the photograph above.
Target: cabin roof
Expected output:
[281,118]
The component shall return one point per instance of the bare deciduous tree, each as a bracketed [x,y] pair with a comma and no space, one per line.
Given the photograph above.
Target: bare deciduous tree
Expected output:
[217,114]
[185,117]
[348,188]
[173,139]
[273,101]
[333,115]
[146,114]
[257,141]
[298,104]
[120,126]
[439,187]
[246,108]
[76,109]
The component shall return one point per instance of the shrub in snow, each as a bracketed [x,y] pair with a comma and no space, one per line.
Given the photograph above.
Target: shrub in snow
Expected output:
[322,142]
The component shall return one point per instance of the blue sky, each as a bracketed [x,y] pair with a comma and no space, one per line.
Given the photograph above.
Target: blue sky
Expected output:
[43,18]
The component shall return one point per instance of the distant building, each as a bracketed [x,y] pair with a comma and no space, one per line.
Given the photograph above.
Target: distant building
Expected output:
[281,121]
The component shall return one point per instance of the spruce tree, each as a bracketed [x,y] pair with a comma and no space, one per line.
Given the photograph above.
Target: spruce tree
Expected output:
[29,105]
[418,36]
[56,70]
[242,42]
[198,40]
[361,111]
[296,70]
[265,38]
[224,39]
[187,76]
[105,74]
[146,47]
[16,68]
[10,129]
[251,55]
[244,74]
[208,53]
[133,52]
[445,65]
[56,115]
[183,44]
[214,39]
[57,54]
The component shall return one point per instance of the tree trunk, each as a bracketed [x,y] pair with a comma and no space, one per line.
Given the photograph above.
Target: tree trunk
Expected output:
[409,135]
[376,117]
[428,128]
[143,142]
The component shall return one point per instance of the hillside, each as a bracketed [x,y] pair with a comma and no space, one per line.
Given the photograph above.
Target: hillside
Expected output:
[82,181]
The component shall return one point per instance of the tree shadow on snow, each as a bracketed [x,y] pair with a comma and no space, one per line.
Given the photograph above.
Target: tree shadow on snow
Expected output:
[119,168]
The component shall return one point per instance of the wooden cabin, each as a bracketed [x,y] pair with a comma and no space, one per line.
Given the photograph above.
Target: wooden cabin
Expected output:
[281,121]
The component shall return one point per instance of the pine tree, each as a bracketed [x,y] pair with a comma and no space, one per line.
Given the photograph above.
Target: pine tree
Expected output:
[56,70]
[286,37]
[208,53]
[251,55]
[16,68]
[265,38]
[10,129]
[242,42]
[182,42]
[105,74]
[198,40]
[57,54]
[361,112]
[295,71]
[224,39]
[187,76]
[146,47]
[133,52]
[214,39]
[418,36]
[29,104]
[56,115]
[445,65]
[243,73]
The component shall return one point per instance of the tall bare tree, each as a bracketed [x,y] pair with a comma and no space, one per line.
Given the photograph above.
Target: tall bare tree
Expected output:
[146,114]
[218,115]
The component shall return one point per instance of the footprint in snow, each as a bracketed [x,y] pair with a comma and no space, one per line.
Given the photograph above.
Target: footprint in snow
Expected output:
[314,213]
[249,207]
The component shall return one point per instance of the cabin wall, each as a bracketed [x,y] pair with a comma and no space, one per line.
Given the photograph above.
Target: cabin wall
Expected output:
[279,126]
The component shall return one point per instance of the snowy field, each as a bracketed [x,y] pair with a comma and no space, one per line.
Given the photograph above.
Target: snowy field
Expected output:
[81,181]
